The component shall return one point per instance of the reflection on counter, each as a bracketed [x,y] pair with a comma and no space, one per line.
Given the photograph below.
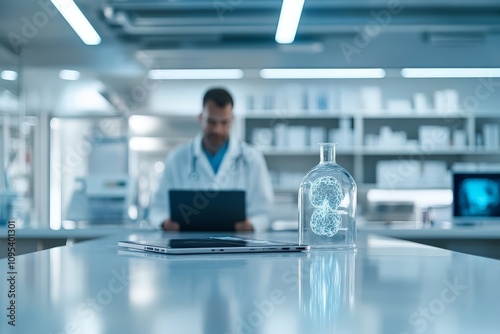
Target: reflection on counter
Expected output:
[327,291]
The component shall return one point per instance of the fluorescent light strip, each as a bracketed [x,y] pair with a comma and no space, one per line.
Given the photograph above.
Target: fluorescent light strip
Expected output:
[322,73]
[421,197]
[450,72]
[146,144]
[291,10]
[8,75]
[70,11]
[69,75]
[196,74]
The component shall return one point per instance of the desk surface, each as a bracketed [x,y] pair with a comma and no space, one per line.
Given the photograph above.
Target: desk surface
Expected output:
[387,286]
[390,230]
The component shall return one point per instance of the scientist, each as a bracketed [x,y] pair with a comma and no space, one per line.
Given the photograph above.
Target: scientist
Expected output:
[214,160]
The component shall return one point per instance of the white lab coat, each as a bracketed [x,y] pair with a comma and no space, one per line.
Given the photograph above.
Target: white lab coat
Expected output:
[242,168]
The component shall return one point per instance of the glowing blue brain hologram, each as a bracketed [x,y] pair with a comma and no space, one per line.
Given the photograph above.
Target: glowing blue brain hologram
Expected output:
[325,195]
[326,188]
[325,222]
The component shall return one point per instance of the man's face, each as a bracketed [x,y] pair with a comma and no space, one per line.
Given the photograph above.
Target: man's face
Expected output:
[216,124]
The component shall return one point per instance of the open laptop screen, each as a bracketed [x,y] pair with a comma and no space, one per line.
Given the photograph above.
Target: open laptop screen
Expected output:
[207,210]
[476,196]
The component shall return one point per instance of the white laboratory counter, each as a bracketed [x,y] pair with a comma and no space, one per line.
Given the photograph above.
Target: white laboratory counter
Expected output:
[479,240]
[464,232]
[35,239]
[76,233]
[387,286]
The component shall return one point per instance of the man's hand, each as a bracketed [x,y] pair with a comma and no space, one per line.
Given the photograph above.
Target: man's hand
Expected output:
[243,226]
[170,225]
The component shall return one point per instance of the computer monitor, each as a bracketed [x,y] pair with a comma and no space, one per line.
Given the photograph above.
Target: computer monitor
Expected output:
[476,197]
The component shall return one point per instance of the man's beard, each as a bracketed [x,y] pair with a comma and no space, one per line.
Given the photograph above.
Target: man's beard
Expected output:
[216,141]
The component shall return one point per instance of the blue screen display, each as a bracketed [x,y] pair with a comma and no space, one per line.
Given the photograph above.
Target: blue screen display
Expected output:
[476,195]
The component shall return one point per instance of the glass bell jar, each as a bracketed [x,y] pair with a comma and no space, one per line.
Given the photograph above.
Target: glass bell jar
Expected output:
[327,204]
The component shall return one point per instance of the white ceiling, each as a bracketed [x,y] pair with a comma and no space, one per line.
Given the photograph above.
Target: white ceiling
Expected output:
[141,34]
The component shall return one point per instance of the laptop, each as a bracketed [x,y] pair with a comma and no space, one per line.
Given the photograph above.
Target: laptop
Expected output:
[213,245]
[207,210]
[476,197]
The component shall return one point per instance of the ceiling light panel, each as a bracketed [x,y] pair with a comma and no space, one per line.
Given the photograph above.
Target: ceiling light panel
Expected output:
[322,73]
[195,74]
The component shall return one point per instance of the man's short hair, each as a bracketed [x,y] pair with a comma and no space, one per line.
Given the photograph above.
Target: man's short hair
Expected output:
[219,96]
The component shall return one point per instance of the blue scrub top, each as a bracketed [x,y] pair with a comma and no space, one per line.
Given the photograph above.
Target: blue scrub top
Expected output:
[216,159]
